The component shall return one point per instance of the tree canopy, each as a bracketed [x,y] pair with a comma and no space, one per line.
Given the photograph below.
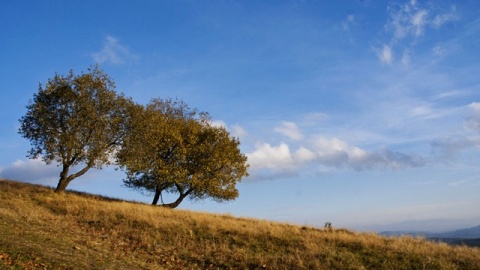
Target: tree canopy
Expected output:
[173,148]
[76,120]
[80,121]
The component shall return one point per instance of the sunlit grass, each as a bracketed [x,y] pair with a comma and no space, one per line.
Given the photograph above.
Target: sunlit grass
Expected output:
[42,229]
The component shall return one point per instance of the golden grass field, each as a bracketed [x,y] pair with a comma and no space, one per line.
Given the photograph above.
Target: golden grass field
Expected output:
[40,229]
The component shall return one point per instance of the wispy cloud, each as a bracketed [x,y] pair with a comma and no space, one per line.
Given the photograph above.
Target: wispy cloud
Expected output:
[314,118]
[238,131]
[439,50]
[114,52]
[473,121]
[290,130]
[449,94]
[457,183]
[385,54]
[235,130]
[406,57]
[418,22]
[441,19]
[447,149]
[348,22]
[408,22]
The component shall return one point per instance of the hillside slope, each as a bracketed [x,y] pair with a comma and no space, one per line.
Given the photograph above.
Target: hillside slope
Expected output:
[40,229]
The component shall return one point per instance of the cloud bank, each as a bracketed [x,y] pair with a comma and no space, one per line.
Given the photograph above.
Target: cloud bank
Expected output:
[329,152]
[31,170]
[322,152]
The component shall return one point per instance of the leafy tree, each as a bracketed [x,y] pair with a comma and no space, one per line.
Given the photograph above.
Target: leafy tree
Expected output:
[76,120]
[173,148]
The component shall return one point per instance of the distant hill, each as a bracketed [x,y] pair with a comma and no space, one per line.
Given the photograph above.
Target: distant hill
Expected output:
[469,236]
[40,229]
[403,233]
[470,233]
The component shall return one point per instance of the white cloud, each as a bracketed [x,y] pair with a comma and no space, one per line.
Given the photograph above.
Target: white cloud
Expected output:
[333,151]
[218,123]
[238,131]
[114,52]
[475,106]
[303,154]
[385,54]
[290,130]
[32,170]
[326,146]
[271,157]
[327,152]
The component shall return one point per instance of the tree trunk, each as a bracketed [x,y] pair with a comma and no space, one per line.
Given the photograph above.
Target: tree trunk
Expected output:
[65,179]
[175,203]
[63,182]
[62,185]
[158,191]
[179,200]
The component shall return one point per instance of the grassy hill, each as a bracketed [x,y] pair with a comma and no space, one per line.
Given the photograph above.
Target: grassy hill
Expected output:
[40,229]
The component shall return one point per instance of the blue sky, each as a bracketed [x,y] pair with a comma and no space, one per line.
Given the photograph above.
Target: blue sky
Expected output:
[365,114]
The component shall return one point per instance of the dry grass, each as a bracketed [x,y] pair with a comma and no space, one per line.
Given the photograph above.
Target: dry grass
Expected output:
[40,229]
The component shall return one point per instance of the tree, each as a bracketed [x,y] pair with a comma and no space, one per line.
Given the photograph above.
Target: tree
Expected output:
[76,120]
[173,148]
